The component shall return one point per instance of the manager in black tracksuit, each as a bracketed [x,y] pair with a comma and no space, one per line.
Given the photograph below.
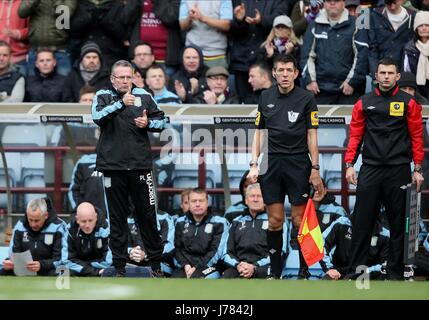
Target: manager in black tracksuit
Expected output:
[388,122]
[125,114]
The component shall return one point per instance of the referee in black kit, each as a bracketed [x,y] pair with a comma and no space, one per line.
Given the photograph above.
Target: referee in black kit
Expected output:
[289,116]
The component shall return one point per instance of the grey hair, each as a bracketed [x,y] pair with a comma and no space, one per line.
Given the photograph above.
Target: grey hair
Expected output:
[252,186]
[35,204]
[121,63]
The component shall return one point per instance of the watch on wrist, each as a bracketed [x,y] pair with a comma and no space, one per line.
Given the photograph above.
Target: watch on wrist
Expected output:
[315,167]
[418,169]
[349,165]
[252,163]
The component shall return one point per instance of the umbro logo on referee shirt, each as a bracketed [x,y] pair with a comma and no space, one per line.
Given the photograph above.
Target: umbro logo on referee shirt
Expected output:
[271,105]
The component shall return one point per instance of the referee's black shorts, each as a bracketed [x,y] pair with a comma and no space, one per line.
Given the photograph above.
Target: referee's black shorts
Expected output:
[286,175]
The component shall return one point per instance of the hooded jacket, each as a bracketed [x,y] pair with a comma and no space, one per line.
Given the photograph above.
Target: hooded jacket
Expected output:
[123,145]
[48,245]
[88,253]
[9,19]
[183,76]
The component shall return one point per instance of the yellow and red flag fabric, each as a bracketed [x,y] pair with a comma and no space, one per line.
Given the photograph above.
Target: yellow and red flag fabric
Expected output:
[309,235]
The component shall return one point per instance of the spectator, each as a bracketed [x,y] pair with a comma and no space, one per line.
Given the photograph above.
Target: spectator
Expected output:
[86,94]
[338,250]
[12,83]
[44,234]
[421,4]
[15,32]
[44,32]
[260,78]
[246,252]
[101,22]
[137,251]
[190,79]
[390,30]
[281,40]
[304,12]
[352,7]
[206,24]
[157,23]
[46,85]
[156,80]
[218,91]
[89,70]
[251,24]
[408,84]
[416,53]
[88,242]
[334,56]
[199,239]
[138,79]
[238,208]
[143,57]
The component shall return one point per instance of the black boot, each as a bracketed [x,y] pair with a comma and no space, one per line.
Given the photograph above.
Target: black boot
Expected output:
[303,273]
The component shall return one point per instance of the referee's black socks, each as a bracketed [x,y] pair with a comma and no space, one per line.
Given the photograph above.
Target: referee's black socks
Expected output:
[275,244]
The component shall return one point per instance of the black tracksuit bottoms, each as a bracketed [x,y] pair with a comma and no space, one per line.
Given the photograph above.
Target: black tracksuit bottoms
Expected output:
[380,185]
[137,186]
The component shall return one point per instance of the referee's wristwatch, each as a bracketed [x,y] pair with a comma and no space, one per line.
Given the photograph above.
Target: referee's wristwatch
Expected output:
[349,165]
[418,170]
[253,163]
[315,167]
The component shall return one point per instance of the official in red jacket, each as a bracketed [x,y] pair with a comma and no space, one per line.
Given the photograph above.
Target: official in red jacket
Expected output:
[388,122]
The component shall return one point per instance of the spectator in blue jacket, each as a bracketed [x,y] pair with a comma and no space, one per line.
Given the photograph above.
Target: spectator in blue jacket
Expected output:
[334,56]
[390,29]
[246,253]
[88,242]
[199,239]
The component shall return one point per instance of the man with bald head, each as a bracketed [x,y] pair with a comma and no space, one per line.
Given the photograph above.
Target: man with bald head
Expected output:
[88,242]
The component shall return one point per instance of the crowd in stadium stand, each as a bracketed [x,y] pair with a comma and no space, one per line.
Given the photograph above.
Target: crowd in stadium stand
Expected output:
[50,50]
[201,52]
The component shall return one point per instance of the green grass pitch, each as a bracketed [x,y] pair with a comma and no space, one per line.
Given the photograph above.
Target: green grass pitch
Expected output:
[182,289]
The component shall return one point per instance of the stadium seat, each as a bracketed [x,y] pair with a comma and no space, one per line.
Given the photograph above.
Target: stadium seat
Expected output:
[331,136]
[13,160]
[32,164]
